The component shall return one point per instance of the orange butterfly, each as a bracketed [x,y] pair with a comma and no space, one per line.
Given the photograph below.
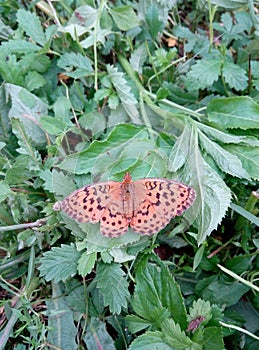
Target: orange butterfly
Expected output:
[146,205]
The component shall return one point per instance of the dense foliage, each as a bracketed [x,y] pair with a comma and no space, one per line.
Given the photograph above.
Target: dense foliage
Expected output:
[91,90]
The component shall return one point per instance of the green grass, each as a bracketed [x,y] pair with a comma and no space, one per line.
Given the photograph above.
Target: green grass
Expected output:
[91,90]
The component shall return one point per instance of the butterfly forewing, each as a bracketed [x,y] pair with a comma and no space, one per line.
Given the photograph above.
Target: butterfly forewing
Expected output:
[164,200]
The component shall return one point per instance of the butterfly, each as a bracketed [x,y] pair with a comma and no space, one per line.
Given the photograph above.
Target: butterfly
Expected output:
[145,205]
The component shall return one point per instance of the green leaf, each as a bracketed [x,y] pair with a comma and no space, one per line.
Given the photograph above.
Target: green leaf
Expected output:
[213,339]
[204,73]
[75,65]
[56,182]
[249,157]
[86,263]
[31,25]
[5,191]
[157,296]
[10,69]
[177,338]
[59,263]
[213,195]
[138,57]
[225,160]
[155,26]
[104,152]
[230,292]
[62,330]
[150,341]
[20,46]
[97,336]
[235,76]
[246,214]
[19,171]
[34,80]
[123,89]
[26,147]
[113,285]
[53,125]
[124,17]
[93,121]
[234,112]
[28,108]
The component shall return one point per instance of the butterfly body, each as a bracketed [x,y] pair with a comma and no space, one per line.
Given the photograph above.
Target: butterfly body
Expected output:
[146,205]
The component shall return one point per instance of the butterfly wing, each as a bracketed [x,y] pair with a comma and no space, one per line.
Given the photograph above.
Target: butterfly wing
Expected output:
[164,200]
[98,203]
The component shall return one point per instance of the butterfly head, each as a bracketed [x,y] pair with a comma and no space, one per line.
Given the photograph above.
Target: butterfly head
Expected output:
[127,178]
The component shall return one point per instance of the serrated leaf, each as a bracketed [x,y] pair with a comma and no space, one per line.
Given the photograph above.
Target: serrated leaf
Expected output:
[213,195]
[86,263]
[28,108]
[178,155]
[10,68]
[56,182]
[235,76]
[21,46]
[205,72]
[225,160]
[234,112]
[249,157]
[59,263]
[124,17]
[213,339]
[138,57]
[124,92]
[157,296]
[19,171]
[150,341]
[62,330]
[111,281]
[31,25]
[155,26]
[174,336]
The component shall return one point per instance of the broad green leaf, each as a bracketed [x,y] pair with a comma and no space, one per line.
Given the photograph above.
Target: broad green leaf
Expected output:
[123,89]
[75,65]
[28,108]
[213,339]
[34,80]
[124,17]
[249,157]
[5,191]
[86,263]
[235,76]
[53,125]
[178,155]
[56,182]
[97,337]
[150,341]
[226,161]
[62,330]
[204,73]
[230,292]
[106,151]
[234,112]
[30,23]
[225,137]
[157,296]
[84,16]
[59,263]
[94,121]
[111,281]
[177,338]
